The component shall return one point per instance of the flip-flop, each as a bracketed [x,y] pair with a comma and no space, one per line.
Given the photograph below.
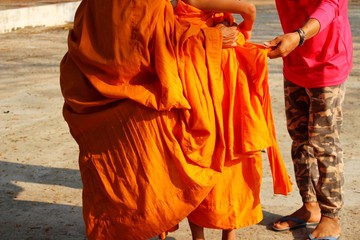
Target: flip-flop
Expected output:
[299,223]
[311,237]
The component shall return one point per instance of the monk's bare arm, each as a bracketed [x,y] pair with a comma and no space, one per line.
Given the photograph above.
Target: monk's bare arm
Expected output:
[241,7]
[245,9]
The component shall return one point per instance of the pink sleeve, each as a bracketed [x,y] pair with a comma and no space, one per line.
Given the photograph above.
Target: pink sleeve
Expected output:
[326,12]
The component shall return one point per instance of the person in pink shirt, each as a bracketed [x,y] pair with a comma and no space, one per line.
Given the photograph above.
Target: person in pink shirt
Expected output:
[316,48]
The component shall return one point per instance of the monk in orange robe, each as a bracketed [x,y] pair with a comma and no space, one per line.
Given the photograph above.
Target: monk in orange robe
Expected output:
[247,120]
[160,123]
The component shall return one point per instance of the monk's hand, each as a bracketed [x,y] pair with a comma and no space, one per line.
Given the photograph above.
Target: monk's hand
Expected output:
[230,35]
[283,45]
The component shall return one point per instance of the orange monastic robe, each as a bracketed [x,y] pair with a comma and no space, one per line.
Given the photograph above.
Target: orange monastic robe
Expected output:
[148,100]
[248,127]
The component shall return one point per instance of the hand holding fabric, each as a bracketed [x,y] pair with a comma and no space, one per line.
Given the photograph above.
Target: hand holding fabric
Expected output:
[283,45]
[230,35]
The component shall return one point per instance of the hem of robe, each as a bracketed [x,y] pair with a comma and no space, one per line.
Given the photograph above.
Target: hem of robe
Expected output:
[234,201]
[124,197]
[252,218]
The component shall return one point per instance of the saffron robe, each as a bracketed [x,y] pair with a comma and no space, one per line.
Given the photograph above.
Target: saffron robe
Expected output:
[145,100]
[234,201]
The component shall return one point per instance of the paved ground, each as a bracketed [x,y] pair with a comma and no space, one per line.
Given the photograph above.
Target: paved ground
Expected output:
[40,187]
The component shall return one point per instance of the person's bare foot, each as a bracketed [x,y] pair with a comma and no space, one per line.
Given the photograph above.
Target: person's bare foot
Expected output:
[309,212]
[327,227]
[228,235]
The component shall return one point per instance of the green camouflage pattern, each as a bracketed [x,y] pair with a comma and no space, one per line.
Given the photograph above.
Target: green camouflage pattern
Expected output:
[314,120]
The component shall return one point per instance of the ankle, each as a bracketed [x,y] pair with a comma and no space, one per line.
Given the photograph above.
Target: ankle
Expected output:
[228,235]
[312,206]
[313,209]
[334,221]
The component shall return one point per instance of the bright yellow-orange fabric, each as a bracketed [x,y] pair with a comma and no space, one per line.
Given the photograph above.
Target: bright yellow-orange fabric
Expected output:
[149,101]
[234,201]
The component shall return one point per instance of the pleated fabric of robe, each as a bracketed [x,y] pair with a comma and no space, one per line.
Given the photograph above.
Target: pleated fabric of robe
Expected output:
[167,122]
[248,125]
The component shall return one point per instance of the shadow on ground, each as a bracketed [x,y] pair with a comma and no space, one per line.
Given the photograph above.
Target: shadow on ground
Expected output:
[35,219]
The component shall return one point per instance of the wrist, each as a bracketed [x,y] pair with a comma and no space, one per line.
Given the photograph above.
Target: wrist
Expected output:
[302,36]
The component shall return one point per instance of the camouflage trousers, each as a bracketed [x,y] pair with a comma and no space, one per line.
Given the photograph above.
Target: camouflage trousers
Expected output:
[314,118]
